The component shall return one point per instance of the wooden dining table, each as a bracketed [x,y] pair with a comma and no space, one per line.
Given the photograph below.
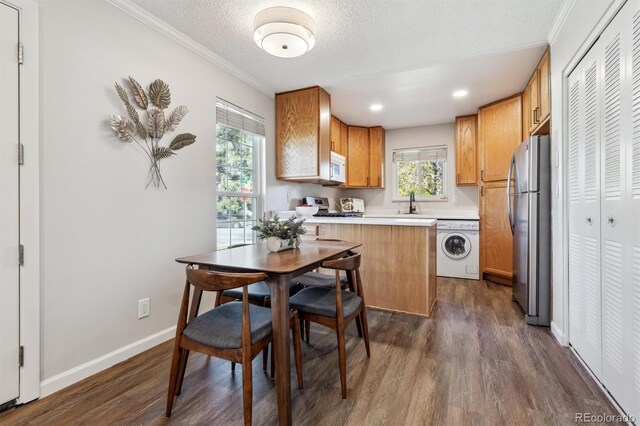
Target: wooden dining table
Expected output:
[280,268]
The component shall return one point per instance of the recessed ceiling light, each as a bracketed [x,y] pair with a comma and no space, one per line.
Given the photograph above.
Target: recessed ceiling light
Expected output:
[375,107]
[284,32]
[460,93]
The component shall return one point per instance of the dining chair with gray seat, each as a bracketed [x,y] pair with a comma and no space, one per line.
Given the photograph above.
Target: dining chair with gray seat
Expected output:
[235,331]
[336,308]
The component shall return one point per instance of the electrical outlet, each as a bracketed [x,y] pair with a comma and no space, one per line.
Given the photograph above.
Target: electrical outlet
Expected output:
[143,308]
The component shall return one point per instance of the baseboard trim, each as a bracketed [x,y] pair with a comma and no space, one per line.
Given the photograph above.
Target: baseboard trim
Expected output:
[75,374]
[559,334]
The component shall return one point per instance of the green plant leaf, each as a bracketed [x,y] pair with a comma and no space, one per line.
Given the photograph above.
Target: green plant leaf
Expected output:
[182,140]
[138,93]
[159,94]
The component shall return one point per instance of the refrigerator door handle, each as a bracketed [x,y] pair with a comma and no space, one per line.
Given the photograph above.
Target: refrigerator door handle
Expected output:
[510,194]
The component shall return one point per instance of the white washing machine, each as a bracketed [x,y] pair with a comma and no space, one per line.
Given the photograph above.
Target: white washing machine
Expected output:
[459,249]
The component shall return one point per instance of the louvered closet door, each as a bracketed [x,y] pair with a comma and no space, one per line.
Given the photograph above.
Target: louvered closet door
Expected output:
[631,283]
[584,210]
[617,224]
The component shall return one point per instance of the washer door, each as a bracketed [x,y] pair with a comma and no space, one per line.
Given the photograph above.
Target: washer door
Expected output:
[456,246]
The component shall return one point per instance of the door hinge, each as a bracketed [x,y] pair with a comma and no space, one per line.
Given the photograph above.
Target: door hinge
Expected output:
[21,356]
[21,255]
[20,54]
[20,154]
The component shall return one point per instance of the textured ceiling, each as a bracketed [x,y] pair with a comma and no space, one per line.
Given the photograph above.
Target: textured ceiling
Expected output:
[358,40]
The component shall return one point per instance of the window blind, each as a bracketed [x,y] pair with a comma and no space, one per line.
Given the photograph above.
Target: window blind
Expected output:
[431,153]
[232,115]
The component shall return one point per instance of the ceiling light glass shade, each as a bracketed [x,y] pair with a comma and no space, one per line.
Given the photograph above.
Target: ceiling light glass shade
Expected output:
[284,32]
[460,93]
[375,107]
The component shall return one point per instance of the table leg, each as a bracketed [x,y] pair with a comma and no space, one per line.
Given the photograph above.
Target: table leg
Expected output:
[279,288]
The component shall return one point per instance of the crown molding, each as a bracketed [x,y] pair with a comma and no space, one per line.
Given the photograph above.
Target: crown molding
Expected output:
[561,17]
[167,30]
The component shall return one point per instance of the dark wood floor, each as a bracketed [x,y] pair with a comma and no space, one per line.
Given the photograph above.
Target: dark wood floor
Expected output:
[474,362]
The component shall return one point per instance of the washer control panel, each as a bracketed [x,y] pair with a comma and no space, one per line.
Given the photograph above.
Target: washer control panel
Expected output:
[458,225]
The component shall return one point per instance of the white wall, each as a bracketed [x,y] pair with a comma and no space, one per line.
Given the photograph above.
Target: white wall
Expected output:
[578,27]
[461,199]
[106,241]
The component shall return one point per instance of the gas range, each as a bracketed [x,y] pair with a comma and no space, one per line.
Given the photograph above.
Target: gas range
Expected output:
[326,213]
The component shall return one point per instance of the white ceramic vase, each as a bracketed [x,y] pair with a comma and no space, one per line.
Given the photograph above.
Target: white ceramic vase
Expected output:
[275,244]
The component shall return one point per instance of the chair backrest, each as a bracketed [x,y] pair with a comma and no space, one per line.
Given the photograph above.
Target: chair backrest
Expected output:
[220,281]
[349,263]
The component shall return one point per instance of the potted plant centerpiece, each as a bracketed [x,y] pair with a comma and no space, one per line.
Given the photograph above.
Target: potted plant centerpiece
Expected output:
[280,234]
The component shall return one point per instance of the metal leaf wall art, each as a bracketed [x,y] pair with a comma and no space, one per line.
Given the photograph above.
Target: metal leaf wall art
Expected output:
[130,129]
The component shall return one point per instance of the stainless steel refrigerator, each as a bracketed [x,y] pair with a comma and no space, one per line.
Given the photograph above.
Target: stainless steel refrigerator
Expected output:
[529,210]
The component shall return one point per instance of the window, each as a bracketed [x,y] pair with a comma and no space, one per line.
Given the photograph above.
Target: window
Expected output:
[240,135]
[421,171]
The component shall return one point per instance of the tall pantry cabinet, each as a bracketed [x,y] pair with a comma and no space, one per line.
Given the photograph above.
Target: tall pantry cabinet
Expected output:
[604,208]
[499,132]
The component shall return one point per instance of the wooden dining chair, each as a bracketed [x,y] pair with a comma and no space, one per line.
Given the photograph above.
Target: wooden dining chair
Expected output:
[336,308]
[318,279]
[235,331]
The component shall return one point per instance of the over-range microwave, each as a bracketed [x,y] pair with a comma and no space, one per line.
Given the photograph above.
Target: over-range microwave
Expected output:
[338,170]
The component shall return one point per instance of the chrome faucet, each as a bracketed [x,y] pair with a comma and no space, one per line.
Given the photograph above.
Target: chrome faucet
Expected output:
[412,200]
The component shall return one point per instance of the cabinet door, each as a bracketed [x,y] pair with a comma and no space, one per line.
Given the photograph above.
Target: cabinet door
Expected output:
[376,157]
[526,112]
[544,76]
[358,154]
[297,124]
[495,233]
[344,133]
[336,141]
[500,132]
[534,101]
[466,153]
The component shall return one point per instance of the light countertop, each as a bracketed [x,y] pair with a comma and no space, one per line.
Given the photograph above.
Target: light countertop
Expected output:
[394,221]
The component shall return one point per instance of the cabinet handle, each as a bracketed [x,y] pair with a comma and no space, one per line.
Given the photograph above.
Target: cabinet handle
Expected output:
[482,175]
[482,191]
[379,181]
[333,146]
[367,180]
[458,178]
[611,221]
[588,220]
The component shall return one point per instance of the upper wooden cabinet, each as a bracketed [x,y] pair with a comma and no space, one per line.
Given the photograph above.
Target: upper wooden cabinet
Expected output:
[358,157]
[336,135]
[303,127]
[500,131]
[466,150]
[376,157]
[365,157]
[538,97]
[344,134]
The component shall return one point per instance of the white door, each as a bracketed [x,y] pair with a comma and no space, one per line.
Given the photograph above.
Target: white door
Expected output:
[9,181]
[584,210]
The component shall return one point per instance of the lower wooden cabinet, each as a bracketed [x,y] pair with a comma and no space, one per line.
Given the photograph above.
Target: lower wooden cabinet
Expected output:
[496,240]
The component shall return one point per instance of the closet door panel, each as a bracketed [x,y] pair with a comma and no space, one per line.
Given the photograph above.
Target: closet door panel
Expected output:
[632,231]
[615,355]
[584,207]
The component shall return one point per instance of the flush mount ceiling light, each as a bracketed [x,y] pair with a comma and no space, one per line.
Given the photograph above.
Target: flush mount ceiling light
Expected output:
[284,32]
[460,93]
[375,107]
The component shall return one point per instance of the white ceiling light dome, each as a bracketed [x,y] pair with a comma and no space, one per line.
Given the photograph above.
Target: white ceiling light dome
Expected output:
[284,32]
